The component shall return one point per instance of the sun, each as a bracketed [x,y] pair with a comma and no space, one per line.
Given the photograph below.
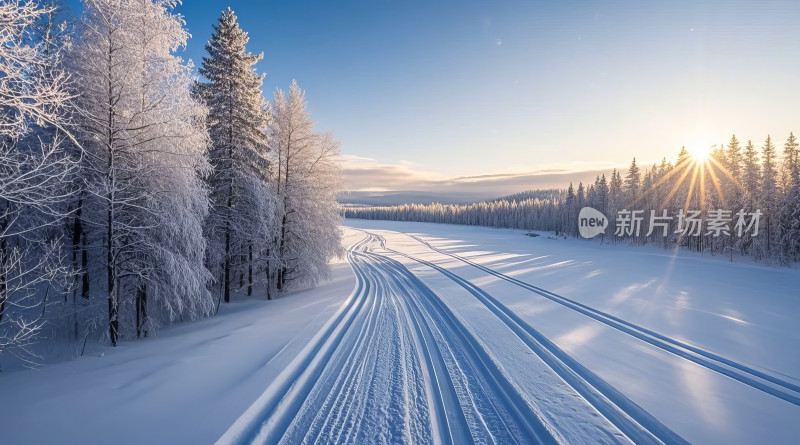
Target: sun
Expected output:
[699,152]
[699,174]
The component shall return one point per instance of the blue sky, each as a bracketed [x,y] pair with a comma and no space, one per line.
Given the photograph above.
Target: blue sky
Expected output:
[427,91]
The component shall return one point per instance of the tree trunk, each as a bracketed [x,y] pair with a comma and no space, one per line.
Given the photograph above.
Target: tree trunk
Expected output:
[113,285]
[79,251]
[113,302]
[282,267]
[85,268]
[138,312]
[243,260]
[3,265]
[111,276]
[281,249]
[226,282]
[141,311]
[144,311]
[269,277]
[77,232]
[250,270]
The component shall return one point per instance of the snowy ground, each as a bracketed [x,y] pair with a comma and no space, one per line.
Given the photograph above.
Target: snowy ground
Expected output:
[451,334]
[186,386]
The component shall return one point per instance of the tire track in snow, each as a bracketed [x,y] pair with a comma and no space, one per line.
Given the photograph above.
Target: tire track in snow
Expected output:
[386,368]
[503,415]
[344,386]
[273,410]
[747,375]
[510,411]
[340,367]
[636,423]
[441,395]
[439,400]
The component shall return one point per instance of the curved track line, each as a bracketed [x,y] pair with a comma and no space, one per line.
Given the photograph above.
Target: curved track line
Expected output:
[271,412]
[325,393]
[524,418]
[742,373]
[630,418]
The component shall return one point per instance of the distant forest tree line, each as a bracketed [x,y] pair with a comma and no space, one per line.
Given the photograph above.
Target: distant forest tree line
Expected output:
[735,178]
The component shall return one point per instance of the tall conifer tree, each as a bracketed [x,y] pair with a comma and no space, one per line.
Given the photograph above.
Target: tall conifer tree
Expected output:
[237,121]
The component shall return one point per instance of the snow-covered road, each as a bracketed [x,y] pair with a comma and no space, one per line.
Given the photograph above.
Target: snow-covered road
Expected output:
[411,358]
[397,365]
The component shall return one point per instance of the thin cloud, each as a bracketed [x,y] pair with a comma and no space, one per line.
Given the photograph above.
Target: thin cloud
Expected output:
[509,175]
[361,173]
[366,174]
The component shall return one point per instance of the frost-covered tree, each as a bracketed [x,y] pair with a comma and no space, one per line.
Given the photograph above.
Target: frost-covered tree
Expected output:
[751,171]
[145,140]
[34,166]
[791,159]
[30,91]
[733,157]
[172,134]
[790,207]
[569,210]
[616,200]
[308,180]
[601,194]
[239,183]
[767,200]
[733,171]
[55,32]
[107,137]
[633,181]
[750,181]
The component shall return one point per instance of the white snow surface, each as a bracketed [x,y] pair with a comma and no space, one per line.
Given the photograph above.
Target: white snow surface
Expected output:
[187,385]
[452,334]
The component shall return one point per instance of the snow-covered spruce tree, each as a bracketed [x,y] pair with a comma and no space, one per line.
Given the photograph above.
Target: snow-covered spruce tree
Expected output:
[790,229]
[633,182]
[145,141]
[731,176]
[765,243]
[750,180]
[34,165]
[601,194]
[616,199]
[569,211]
[733,165]
[308,180]
[242,203]
[790,207]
